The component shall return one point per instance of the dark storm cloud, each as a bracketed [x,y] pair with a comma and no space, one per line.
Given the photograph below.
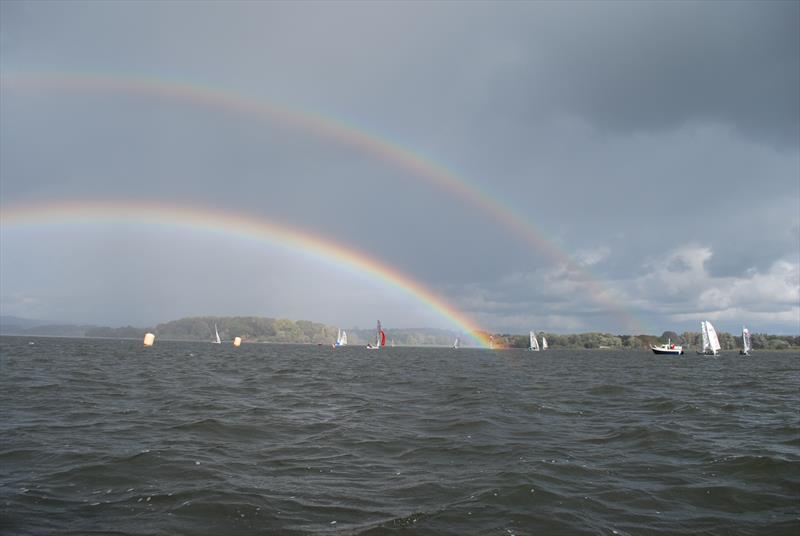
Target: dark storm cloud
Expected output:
[656,143]
[655,65]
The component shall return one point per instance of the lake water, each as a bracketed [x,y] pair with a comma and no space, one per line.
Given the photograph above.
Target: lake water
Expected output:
[185,438]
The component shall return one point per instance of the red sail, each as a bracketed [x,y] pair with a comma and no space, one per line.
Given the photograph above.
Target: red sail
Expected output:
[383,338]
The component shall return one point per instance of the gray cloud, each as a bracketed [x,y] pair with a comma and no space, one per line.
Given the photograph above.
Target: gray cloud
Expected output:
[625,133]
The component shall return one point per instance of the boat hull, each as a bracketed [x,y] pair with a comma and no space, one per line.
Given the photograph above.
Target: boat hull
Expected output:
[667,351]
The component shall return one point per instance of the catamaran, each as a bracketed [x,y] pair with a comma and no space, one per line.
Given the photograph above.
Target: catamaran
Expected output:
[341,339]
[710,340]
[544,344]
[534,344]
[216,340]
[746,344]
[380,338]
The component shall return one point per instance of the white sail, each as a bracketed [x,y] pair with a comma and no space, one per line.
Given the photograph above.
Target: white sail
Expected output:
[544,343]
[217,340]
[534,343]
[341,338]
[380,337]
[704,332]
[712,338]
[455,343]
[746,345]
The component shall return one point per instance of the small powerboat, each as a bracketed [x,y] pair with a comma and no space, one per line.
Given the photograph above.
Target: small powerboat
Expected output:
[669,348]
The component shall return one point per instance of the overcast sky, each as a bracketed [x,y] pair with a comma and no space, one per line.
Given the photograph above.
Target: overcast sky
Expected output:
[657,144]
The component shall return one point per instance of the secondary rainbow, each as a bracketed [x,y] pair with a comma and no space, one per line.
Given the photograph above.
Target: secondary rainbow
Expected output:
[246,226]
[343,132]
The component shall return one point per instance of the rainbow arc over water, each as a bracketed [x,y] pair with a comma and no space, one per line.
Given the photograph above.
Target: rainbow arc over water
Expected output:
[341,132]
[255,228]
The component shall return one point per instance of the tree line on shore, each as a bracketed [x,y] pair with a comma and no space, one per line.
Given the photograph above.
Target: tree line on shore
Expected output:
[760,341]
[280,330]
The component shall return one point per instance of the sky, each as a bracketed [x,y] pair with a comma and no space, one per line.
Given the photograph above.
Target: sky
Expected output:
[628,166]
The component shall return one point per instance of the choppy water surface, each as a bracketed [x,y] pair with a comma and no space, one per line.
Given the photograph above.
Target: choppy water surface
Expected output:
[108,436]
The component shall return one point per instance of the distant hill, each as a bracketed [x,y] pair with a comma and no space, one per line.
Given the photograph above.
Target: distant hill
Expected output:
[16,323]
[11,325]
[45,330]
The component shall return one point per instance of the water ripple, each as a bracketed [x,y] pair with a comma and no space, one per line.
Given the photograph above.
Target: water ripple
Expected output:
[108,437]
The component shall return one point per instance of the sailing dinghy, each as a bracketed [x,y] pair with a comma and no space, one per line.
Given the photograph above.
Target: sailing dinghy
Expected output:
[534,344]
[746,343]
[216,340]
[341,339]
[710,340]
[380,338]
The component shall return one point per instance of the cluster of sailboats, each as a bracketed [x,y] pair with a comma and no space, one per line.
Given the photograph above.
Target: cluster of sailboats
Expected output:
[711,344]
[534,344]
[341,339]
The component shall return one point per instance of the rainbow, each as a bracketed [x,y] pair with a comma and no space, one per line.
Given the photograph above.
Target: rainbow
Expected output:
[250,227]
[342,132]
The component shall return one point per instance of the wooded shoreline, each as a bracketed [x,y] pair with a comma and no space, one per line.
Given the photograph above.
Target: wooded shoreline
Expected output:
[272,330]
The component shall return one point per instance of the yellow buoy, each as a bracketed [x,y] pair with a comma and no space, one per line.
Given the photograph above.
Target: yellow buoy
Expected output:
[237,342]
[149,339]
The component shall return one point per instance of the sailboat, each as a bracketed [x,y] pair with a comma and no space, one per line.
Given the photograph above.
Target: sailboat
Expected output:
[544,344]
[534,345]
[455,344]
[341,339]
[710,340]
[216,340]
[746,344]
[380,338]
